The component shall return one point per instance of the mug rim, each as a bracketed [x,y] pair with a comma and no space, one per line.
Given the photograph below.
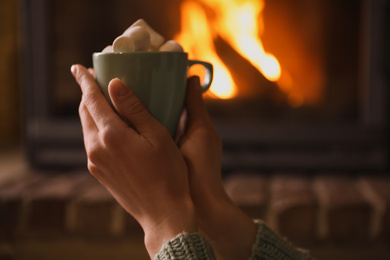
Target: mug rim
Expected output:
[139,53]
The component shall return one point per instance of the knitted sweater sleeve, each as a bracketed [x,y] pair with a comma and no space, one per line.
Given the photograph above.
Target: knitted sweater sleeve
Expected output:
[186,247]
[270,246]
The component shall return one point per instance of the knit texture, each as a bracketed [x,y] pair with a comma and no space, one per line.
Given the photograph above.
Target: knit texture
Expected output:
[186,247]
[270,246]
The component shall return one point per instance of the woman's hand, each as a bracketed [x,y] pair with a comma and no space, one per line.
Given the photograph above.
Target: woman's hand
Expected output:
[140,165]
[201,147]
[230,230]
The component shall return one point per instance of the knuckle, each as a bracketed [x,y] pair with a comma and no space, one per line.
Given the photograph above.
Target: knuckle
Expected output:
[110,136]
[132,107]
[93,169]
[82,107]
[94,154]
[96,171]
[88,100]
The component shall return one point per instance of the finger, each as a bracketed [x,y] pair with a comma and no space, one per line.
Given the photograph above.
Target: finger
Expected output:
[93,98]
[108,49]
[131,108]
[89,127]
[196,108]
[92,72]
[181,126]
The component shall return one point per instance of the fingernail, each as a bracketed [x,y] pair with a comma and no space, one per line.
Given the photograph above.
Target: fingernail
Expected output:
[120,88]
[195,82]
[73,69]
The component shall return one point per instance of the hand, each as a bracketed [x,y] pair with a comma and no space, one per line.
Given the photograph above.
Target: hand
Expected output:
[201,146]
[140,165]
[230,230]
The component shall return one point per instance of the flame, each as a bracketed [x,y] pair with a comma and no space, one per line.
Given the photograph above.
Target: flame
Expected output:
[197,39]
[239,23]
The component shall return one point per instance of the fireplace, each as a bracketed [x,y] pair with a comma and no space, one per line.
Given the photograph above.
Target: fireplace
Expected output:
[323,105]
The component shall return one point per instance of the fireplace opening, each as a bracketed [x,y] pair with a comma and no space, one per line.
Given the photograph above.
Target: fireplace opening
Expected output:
[297,62]
[298,84]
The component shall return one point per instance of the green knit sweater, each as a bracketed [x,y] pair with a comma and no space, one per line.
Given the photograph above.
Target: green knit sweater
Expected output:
[267,246]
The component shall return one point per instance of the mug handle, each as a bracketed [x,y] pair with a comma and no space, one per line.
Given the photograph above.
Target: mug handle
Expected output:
[209,73]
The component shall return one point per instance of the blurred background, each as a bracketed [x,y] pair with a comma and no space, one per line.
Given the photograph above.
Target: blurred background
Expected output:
[300,100]
[10,88]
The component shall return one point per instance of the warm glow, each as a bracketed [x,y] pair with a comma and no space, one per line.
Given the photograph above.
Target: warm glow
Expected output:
[196,38]
[239,23]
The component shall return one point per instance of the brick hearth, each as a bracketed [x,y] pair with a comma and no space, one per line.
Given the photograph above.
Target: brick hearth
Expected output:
[63,215]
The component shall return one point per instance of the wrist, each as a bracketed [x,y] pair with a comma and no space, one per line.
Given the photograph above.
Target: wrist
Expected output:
[178,219]
[211,203]
[232,231]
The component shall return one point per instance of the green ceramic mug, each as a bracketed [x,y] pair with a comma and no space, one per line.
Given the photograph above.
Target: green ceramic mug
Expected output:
[158,79]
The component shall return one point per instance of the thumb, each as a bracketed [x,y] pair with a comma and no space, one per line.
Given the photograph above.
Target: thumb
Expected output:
[196,108]
[131,108]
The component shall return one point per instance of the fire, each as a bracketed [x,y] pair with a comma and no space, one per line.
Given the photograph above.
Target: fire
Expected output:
[235,21]
[196,38]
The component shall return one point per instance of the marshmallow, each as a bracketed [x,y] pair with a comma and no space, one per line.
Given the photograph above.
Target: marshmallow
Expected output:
[171,45]
[133,39]
[156,40]
[108,49]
